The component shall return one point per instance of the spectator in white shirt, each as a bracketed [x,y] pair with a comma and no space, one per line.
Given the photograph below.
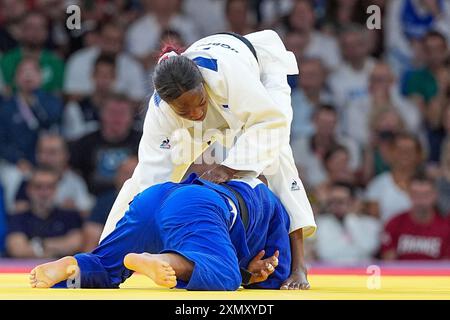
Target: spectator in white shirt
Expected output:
[344,235]
[383,92]
[309,152]
[387,194]
[130,76]
[301,19]
[82,117]
[308,96]
[209,15]
[10,178]
[351,80]
[337,170]
[143,35]
[71,191]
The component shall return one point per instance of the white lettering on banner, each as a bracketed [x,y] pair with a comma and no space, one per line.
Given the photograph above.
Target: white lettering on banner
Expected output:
[410,244]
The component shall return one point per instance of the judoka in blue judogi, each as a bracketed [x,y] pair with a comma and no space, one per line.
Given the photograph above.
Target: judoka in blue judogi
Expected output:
[201,221]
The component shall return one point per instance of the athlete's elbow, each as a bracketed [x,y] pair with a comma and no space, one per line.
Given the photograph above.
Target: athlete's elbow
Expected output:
[235,281]
[231,281]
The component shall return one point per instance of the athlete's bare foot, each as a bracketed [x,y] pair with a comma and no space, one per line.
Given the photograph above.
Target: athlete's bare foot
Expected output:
[48,274]
[153,266]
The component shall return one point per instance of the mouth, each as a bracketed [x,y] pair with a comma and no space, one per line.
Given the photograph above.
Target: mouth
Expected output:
[201,118]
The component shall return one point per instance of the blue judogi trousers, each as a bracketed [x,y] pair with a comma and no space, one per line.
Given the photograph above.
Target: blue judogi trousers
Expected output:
[194,219]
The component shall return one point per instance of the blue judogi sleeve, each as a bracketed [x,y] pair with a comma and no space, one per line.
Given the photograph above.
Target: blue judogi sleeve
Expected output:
[268,229]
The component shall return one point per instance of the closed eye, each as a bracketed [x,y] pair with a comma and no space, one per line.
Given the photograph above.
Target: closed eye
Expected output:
[182,114]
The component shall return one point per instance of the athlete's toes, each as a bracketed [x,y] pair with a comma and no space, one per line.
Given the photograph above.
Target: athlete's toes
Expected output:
[171,272]
[171,283]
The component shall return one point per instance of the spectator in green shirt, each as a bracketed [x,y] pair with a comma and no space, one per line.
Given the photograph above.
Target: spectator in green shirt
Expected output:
[32,41]
[423,83]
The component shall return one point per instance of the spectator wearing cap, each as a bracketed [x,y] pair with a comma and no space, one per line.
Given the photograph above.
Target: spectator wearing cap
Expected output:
[93,227]
[29,111]
[71,190]
[419,233]
[97,155]
[44,231]
[387,194]
[33,37]
[344,234]
[130,77]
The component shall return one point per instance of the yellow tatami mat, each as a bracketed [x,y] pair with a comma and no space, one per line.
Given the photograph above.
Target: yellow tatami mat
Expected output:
[15,286]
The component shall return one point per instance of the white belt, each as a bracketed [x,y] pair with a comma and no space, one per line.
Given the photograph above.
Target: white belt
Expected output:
[233,211]
[252,182]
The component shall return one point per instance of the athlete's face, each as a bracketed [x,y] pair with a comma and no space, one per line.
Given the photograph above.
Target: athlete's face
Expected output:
[192,104]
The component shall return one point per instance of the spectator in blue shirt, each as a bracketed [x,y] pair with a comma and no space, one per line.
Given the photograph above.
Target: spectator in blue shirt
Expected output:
[44,231]
[2,223]
[25,114]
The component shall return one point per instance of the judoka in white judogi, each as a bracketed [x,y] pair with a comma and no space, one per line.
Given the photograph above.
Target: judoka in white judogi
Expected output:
[249,112]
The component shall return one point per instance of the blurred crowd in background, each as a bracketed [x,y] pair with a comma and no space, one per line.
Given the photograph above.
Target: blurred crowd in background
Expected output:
[370,134]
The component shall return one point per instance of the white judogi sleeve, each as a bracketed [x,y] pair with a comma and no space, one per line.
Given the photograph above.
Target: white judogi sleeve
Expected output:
[155,159]
[265,125]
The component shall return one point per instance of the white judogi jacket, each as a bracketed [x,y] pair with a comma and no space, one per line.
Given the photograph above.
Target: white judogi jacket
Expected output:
[248,101]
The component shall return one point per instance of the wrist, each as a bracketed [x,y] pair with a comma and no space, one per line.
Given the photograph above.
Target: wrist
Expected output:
[247,276]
